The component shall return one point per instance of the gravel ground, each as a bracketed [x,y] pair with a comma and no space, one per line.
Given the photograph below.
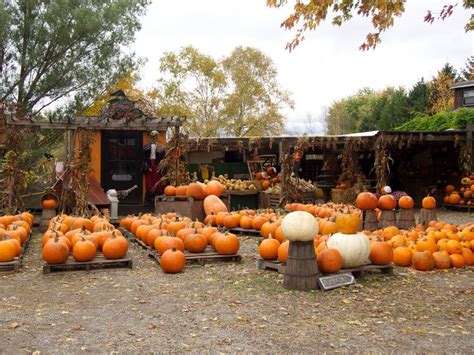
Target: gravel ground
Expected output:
[228,307]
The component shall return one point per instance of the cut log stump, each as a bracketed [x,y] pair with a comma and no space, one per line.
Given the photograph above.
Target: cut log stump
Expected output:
[301,268]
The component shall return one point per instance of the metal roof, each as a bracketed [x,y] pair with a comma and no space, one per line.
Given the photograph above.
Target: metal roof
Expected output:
[463,84]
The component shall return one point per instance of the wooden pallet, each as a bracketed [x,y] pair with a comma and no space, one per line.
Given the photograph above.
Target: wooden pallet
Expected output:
[276,265]
[246,232]
[208,255]
[99,262]
[15,264]
[459,207]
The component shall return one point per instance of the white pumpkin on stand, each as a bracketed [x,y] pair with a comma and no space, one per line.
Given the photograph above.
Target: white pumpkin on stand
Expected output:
[354,248]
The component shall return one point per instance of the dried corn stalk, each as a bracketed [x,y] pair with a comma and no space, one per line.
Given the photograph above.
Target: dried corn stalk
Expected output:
[77,169]
[172,168]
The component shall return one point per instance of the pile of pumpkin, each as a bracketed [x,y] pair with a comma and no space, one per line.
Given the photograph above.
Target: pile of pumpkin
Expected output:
[439,246]
[171,234]
[464,196]
[326,210]
[14,232]
[83,237]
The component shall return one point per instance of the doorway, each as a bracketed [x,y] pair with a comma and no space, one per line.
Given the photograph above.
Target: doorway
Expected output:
[121,167]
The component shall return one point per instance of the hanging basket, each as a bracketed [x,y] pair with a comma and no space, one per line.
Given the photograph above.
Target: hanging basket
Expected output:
[49,200]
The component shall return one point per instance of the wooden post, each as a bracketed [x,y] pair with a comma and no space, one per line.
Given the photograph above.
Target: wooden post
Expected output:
[469,145]
[176,147]
[282,151]
[301,268]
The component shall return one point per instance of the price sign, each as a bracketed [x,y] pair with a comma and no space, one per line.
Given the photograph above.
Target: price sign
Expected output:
[335,281]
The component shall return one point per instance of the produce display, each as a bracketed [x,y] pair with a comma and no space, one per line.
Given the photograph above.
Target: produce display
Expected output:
[172,233]
[464,196]
[14,232]
[196,190]
[234,184]
[83,238]
[300,184]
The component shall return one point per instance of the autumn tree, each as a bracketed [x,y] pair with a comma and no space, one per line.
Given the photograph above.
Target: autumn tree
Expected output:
[441,96]
[467,73]
[238,95]
[253,104]
[418,97]
[192,85]
[309,14]
[63,50]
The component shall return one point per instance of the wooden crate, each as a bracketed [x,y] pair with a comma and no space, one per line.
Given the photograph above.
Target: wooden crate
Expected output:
[99,262]
[266,200]
[273,265]
[14,265]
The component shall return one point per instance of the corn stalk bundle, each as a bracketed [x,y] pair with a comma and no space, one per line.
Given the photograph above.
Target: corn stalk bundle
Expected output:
[172,168]
[382,163]
[77,169]
[464,160]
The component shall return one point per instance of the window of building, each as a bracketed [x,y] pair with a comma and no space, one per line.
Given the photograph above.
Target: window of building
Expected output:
[468,96]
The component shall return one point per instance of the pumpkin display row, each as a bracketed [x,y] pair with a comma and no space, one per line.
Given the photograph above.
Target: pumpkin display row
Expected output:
[464,196]
[14,231]
[83,238]
[172,231]
[196,190]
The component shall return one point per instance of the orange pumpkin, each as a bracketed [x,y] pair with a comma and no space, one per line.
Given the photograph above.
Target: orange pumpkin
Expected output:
[170,190]
[196,191]
[226,244]
[84,250]
[195,243]
[7,249]
[457,261]
[423,261]
[268,249]
[441,260]
[55,251]
[366,201]
[381,253]
[454,199]
[115,247]
[181,190]
[406,202]
[348,223]
[169,243]
[49,203]
[387,202]
[428,203]
[329,261]
[172,261]
[402,256]
[283,252]
[213,187]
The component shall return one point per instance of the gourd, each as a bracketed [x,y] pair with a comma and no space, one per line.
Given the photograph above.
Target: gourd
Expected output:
[354,248]
[347,223]
[299,226]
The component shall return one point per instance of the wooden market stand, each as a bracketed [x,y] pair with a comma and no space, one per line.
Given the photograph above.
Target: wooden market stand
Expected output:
[409,159]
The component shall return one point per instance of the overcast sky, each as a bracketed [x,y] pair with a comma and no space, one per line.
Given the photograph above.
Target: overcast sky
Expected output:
[327,66]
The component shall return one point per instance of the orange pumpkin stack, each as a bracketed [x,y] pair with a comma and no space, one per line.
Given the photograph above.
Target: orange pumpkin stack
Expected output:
[14,232]
[83,237]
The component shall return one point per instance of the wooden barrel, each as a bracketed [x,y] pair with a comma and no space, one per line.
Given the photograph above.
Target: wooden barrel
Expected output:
[388,218]
[370,220]
[46,216]
[406,218]
[426,216]
[301,268]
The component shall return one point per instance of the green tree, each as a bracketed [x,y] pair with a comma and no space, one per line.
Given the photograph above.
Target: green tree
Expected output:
[253,105]
[63,50]
[238,95]
[311,13]
[467,73]
[418,97]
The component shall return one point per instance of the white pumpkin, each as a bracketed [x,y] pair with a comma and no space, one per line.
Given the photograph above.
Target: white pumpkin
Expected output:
[354,248]
[299,226]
